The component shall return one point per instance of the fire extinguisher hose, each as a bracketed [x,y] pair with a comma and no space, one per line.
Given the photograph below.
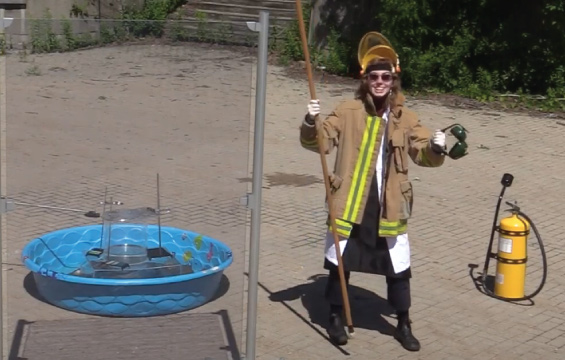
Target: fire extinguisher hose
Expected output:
[543,258]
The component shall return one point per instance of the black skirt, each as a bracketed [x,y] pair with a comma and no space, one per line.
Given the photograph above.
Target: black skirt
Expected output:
[366,251]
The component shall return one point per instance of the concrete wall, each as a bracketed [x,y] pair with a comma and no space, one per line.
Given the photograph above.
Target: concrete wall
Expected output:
[61,9]
[83,18]
[234,14]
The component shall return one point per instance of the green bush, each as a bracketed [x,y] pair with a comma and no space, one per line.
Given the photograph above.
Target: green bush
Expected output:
[43,38]
[475,48]
[289,45]
[150,20]
[478,47]
[335,58]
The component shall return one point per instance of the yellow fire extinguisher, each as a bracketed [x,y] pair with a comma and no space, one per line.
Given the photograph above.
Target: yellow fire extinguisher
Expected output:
[512,254]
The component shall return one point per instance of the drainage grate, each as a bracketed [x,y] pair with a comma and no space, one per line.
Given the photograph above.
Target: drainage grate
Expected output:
[206,336]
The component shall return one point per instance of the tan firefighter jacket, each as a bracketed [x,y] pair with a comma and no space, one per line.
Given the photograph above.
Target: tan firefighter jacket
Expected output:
[357,136]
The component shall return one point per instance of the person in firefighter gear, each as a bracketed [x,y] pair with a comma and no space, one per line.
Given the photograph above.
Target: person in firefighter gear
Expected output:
[374,135]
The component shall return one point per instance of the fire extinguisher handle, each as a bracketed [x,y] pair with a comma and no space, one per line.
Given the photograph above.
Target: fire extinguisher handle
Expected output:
[514,205]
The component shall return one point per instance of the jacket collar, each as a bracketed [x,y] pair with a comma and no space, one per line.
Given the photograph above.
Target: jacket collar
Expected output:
[395,109]
[398,105]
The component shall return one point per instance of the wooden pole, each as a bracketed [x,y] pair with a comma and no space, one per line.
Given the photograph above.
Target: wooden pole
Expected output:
[325,172]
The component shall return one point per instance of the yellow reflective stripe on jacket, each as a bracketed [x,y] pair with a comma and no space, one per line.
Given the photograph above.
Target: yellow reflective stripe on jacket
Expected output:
[343,227]
[309,143]
[424,159]
[362,167]
[392,228]
[386,228]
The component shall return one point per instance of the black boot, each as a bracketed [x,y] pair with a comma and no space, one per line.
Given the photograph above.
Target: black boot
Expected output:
[336,330]
[403,333]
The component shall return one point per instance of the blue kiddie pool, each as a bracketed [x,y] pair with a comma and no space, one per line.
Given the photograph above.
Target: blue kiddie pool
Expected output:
[127,266]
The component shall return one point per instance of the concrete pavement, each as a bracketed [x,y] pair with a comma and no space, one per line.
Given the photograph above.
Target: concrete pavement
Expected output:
[116,116]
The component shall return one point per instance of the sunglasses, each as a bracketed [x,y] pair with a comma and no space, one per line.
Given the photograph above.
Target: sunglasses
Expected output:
[386,77]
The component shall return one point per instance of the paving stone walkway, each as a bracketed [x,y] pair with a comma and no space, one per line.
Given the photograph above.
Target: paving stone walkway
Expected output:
[115,117]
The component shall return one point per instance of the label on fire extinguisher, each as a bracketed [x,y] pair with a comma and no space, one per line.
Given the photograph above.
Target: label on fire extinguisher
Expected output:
[505,245]
[500,278]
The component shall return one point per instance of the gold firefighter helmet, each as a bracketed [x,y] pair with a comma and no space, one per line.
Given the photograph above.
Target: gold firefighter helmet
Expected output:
[374,45]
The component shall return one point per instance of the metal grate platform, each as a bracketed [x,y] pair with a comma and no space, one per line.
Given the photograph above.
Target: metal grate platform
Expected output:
[188,337]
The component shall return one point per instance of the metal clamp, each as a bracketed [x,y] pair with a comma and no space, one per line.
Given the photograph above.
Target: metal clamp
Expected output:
[254,26]
[247,201]
[6,205]
[5,22]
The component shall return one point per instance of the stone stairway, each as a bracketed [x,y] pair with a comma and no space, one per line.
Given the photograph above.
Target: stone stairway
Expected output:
[225,20]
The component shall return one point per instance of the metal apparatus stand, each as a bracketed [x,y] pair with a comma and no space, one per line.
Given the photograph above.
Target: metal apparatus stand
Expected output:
[127,215]
[253,200]
[4,206]
[135,255]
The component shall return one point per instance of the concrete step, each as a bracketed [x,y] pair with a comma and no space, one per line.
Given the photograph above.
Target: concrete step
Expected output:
[215,31]
[272,4]
[239,8]
[241,16]
[227,18]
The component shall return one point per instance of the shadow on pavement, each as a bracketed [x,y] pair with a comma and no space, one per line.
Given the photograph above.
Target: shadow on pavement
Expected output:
[368,310]
[486,287]
[31,287]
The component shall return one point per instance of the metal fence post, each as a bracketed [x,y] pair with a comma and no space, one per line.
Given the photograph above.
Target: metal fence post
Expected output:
[254,199]
[4,23]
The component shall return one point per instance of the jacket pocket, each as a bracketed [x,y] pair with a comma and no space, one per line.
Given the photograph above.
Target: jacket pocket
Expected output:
[406,199]
[399,148]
